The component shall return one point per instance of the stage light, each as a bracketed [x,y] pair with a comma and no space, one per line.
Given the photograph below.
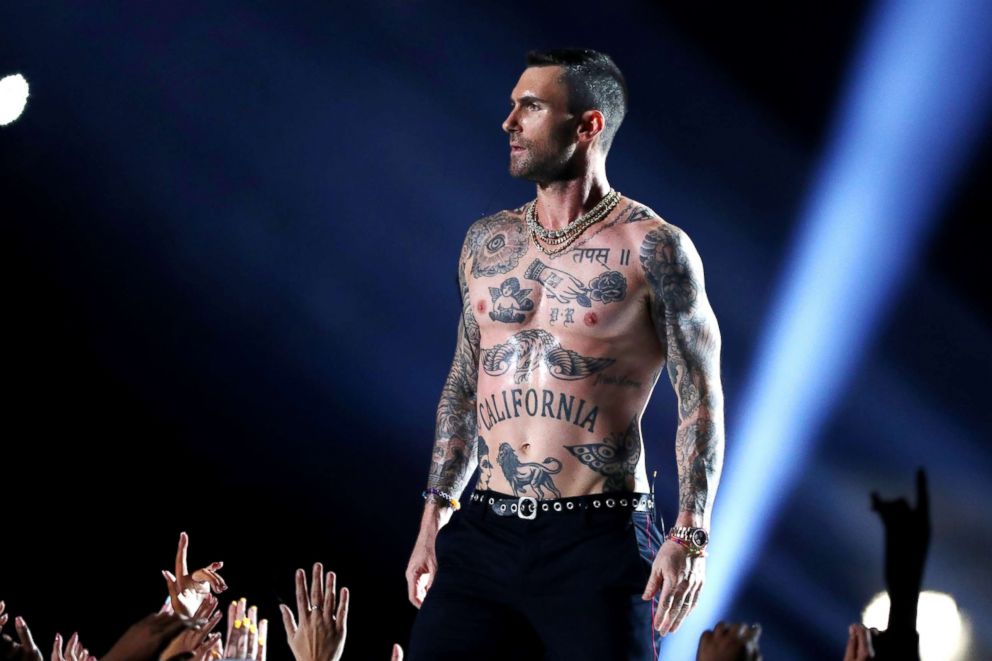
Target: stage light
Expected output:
[13,97]
[913,107]
[944,632]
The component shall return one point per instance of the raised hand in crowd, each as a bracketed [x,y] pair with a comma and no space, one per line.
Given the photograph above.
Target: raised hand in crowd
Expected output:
[73,650]
[320,633]
[147,638]
[907,538]
[859,643]
[730,642]
[186,590]
[22,649]
[198,633]
[246,636]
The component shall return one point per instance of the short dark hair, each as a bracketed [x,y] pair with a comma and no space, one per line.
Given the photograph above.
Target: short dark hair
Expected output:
[594,82]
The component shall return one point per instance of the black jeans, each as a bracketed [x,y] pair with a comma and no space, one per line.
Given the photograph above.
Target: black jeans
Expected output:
[566,585]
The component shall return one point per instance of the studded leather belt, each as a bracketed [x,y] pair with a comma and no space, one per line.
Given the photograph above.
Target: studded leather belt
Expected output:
[528,507]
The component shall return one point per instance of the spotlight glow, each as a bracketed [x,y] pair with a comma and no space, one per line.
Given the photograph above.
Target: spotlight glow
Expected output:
[944,632]
[912,109]
[13,97]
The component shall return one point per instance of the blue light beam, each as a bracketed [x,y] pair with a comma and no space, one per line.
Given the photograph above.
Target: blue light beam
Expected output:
[916,102]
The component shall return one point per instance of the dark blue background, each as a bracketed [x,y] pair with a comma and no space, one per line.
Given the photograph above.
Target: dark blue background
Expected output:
[229,242]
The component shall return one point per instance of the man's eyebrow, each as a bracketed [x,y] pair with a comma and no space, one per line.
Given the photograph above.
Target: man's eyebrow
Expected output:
[528,98]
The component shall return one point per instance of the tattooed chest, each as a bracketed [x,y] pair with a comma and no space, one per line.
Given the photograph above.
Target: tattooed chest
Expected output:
[584,290]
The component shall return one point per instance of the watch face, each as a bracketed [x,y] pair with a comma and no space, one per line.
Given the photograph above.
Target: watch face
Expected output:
[699,537]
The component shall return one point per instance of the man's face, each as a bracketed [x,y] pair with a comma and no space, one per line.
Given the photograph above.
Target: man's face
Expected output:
[542,131]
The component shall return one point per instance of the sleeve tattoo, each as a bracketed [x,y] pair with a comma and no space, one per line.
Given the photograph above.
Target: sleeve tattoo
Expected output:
[688,329]
[454,455]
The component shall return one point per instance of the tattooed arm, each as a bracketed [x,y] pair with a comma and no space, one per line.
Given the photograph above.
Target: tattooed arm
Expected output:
[687,327]
[454,457]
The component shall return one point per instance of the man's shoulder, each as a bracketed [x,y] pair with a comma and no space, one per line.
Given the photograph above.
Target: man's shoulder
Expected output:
[643,220]
[507,222]
[502,217]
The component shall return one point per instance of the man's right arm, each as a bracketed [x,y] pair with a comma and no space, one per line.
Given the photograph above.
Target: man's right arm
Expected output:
[454,454]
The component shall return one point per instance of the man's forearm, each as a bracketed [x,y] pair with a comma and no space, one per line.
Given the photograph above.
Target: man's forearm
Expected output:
[454,455]
[699,457]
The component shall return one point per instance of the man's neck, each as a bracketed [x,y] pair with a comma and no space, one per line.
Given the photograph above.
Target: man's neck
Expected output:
[561,202]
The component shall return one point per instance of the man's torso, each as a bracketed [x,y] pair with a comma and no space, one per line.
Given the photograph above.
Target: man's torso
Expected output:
[569,355]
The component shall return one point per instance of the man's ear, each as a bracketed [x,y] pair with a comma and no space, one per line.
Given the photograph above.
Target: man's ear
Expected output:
[591,124]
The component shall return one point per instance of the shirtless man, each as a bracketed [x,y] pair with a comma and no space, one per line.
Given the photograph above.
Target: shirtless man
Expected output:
[561,340]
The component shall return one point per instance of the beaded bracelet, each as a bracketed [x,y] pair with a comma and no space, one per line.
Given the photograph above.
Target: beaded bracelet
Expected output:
[443,495]
[687,546]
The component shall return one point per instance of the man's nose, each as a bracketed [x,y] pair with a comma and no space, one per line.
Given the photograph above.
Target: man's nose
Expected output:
[510,124]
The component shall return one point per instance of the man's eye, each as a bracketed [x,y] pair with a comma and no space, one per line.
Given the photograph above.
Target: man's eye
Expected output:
[534,106]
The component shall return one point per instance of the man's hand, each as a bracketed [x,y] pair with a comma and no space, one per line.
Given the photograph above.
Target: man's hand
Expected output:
[147,638]
[24,648]
[859,643]
[680,578]
[730,642]
[186,590]
[422,567]
[323,619]
[397,653]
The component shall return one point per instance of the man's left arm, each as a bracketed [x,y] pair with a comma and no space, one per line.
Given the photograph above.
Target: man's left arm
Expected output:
[688,329]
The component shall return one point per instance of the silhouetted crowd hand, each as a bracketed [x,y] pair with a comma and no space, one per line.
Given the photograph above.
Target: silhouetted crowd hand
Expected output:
[907,539]
[730,641]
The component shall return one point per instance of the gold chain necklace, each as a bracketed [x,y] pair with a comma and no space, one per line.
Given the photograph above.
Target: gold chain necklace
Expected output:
[567,235]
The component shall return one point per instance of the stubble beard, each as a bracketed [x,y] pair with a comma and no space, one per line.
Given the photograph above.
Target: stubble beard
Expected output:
[552,165]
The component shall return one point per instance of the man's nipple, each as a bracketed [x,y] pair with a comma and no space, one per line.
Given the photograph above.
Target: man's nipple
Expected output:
[481,306]
[591,319]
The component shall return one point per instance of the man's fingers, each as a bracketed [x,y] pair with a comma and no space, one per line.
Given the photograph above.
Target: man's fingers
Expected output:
[687,605]
[181,569]
[342,615]
[411,589]
[397,653]
[287,620]
[665,603]
[654,584]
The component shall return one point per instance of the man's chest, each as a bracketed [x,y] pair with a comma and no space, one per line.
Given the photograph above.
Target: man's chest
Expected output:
[595,291]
